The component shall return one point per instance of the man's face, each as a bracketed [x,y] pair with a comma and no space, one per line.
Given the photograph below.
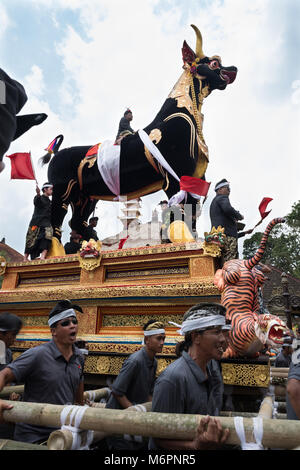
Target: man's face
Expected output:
[225,190]
[129,116]
[9,337]
[48,191]
[155,343]
[211,343]
[65,331]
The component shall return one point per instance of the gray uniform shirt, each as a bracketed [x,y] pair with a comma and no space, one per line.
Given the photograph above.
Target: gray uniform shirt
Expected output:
[294,373]
[135,380]
[48,378]
[183,388]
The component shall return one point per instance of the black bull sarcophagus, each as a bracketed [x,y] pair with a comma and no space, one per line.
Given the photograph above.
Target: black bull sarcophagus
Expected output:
[176,132]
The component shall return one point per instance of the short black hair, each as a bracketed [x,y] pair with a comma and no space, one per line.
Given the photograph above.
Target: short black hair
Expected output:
[10,322]
[149,323]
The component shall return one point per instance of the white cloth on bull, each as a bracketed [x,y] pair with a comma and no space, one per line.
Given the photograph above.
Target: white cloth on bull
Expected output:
[178,197]
[108,160]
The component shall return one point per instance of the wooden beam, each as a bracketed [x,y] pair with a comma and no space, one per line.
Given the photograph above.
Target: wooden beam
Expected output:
[281,434]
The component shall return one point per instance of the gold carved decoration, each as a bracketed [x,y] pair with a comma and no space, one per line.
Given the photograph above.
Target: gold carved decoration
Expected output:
[2,265]
[89,255]
[111,365]
[155,135]
[87,159]
[246,375]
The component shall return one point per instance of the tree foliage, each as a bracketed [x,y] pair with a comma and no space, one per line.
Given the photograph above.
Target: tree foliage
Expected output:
[283,246]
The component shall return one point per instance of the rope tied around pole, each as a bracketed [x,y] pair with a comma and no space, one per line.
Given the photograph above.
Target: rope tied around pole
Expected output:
[128,437]
[76,415]
[257,431]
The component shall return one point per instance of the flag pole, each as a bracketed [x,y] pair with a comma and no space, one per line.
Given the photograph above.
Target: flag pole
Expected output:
[36,181]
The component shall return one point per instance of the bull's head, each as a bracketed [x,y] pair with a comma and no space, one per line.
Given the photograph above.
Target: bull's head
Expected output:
[210,69]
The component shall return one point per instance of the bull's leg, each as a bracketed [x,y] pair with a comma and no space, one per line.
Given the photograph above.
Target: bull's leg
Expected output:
[61,197]
[81,212]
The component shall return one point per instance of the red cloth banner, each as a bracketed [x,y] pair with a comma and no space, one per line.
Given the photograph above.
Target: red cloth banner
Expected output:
[194,185]
[263,205]
[21,166]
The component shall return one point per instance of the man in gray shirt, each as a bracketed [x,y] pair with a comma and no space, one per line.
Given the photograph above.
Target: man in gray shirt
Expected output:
[52,372]
[293,386]
[135,382]
[193,384]
[10,326]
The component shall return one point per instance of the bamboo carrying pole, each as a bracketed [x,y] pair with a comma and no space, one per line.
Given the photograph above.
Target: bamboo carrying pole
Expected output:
[62,439]
[266,408]
[7,444]
[96,395]
[6,391]
[279,434]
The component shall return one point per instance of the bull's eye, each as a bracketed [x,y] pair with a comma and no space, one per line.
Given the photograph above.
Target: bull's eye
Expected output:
[214,64]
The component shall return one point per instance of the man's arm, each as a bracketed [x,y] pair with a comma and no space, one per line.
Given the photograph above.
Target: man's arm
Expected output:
[293,391]
[228,209]
[79,394]
[209,435]
[4,406]
[6,376]
[120,386]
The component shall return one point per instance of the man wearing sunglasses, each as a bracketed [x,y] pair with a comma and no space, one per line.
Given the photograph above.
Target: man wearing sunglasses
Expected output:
[51,372]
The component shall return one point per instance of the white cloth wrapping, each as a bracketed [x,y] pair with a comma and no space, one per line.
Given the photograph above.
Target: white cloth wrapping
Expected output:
[257,431]
[2,352]
[199,323]
[178,197]
[70,312]
[154,332]
[76,415]
[108,160]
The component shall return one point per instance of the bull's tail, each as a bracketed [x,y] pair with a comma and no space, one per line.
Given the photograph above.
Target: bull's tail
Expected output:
[52,149]
[250,263]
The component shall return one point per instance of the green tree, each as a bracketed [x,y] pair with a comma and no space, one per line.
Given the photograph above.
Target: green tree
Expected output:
[283,244]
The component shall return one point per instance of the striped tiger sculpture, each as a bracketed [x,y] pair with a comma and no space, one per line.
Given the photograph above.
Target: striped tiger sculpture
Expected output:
[239,281]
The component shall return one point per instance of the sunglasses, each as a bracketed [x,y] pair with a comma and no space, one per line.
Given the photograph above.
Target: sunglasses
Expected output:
[68,321]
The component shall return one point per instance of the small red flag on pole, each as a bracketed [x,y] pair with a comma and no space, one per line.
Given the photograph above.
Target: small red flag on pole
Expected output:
[190,184]
[263,205]
[21,166]
[262,209]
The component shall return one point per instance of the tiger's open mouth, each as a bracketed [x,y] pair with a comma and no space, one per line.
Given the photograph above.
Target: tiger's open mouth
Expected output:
[276,333]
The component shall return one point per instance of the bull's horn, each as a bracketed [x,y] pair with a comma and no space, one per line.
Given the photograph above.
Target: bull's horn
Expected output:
[199,52]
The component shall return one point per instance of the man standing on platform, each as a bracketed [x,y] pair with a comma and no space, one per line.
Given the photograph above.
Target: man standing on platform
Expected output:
[223,214]
[193,383]
[124,124]
[135,382]
[52,372]
[90,231]
[40,232]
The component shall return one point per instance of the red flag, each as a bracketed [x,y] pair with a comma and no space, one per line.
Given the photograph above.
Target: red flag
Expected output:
[21,166]
[263,205]
[194,185]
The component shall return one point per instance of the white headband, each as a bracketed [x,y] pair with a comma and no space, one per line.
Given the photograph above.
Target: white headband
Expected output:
[226,327]
[221,185]
[60,316]
[199,323]
[154,332]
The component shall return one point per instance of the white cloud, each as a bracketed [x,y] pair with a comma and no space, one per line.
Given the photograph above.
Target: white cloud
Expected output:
[123,54]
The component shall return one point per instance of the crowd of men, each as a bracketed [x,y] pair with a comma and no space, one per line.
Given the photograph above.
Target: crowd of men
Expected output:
[191,384]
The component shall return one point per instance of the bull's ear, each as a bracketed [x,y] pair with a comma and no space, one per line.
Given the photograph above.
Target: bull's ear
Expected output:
[188,55]
[219,280]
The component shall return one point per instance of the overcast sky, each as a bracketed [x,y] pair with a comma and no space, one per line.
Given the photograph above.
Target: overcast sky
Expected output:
[83,62]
